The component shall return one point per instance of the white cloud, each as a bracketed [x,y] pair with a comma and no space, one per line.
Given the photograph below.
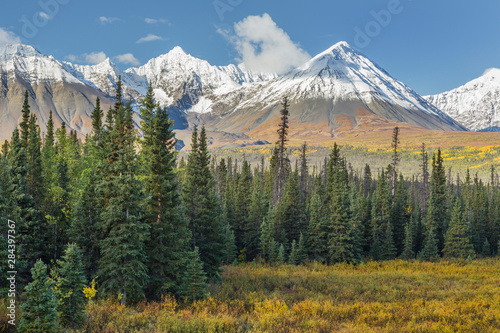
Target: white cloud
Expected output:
[94,58]
[104,19]
[155,21]
[128,59]
[45,16]
[149,38]
[265,47]
[7,37]
[71,57]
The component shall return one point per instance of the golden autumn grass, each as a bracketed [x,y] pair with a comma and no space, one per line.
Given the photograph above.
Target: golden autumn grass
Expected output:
[393,296]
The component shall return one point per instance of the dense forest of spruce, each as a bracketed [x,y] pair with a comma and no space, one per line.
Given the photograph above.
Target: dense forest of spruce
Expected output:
[120,210]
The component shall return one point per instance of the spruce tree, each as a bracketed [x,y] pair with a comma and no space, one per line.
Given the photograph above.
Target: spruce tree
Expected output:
[317,230]
[388,248]
[281,166]
[281,255]
[122,266]
[70,281]
[430,249]
[39,310]
[31,244]
[341,243]
[437,203]
[408,252]
[34,162]
[229,245]
[97,118]
[202,206]
[169,235]
[457,243]
[24,125]
[259,202]
[193,283]
[292,259]
[380,214]
[486,251]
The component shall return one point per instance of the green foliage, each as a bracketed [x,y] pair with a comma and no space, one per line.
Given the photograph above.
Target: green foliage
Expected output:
[457,242]
[194,278]
[69,283]
[202,206]
[39,310]
[169,237]
[122,265]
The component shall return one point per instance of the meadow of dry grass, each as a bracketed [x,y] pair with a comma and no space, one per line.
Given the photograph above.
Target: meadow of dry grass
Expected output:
[392,296]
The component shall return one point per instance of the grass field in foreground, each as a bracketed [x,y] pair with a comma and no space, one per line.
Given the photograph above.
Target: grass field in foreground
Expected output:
[392,296]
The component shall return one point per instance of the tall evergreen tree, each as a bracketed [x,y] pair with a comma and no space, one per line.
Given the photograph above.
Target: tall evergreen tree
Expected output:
[437,204]
[70,280]
[202,206]
[34,162]
[395,158]
[39,310]
[194,285]
[97,120]
[457,243]
[281,167]
[122,266]
[31,244]
[24,125]
[169,237]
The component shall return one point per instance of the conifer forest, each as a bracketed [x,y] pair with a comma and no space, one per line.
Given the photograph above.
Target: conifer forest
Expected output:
[116,225]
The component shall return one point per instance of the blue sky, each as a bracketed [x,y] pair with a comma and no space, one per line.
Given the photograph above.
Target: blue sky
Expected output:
[432,46]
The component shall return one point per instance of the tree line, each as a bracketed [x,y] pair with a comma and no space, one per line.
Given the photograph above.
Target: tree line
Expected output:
[120,210]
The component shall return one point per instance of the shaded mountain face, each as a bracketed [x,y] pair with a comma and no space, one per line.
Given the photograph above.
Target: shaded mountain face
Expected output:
[476,104]
[329,94]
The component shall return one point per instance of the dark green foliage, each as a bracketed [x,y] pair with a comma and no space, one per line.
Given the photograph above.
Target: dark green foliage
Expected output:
[292,259]
[486,248]
[193,285]
[318,228]
[202,206]
[30,241]
[70,280]
[281,255]
[229,245]
[122,266]
[259,202]
[457,243]
[430,249]
[24,125]
[408,249]
[380,214]
[280,166]
[342,233]
[169,235]
[39,310]
[437,203]
[97,125]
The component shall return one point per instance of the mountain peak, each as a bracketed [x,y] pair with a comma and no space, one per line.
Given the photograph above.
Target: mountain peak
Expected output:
[7,51]
[177,50]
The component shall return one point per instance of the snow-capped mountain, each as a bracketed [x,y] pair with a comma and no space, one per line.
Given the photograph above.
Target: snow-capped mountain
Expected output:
[338,82]
[50,87]
[476,104]
[184,81]
[331,89]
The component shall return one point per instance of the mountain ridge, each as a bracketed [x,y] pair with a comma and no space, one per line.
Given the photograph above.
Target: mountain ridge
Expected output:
[338,82]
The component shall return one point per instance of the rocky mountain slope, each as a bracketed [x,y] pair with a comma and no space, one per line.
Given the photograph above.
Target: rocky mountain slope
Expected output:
[476,104]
